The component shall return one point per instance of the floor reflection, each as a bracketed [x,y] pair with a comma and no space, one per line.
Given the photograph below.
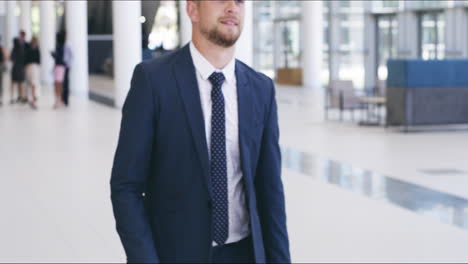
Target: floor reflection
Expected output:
[444,207]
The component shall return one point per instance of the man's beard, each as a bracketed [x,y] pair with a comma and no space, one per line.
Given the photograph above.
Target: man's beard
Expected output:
[220,39]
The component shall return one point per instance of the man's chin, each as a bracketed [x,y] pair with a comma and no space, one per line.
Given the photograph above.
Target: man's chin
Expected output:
[224,38]
[228,42]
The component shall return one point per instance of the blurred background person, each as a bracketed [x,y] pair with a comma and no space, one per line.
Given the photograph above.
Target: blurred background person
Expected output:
[59,69]
[3,67]
[22,38]
[33,61]
[67,58]
[25,47]
[17,72]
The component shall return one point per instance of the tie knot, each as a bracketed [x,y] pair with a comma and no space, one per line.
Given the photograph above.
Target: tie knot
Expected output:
[217,79]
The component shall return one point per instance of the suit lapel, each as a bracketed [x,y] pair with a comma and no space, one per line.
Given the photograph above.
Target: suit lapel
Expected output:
[245,112]
[184,71]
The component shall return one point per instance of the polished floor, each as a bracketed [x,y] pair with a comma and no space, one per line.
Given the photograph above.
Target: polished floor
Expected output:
[354,194]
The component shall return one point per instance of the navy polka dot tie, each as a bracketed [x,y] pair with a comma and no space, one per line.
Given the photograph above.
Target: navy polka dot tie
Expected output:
[218,161]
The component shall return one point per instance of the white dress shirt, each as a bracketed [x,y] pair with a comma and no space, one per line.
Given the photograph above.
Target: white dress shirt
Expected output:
[238,215]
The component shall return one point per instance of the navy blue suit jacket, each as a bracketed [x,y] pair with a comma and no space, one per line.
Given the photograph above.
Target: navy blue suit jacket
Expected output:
[160,184]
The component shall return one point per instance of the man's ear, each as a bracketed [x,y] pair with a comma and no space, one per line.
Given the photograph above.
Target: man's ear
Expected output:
[192,10]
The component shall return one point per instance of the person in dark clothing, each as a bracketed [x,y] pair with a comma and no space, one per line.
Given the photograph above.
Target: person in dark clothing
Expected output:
[66,86]
[183,192]
[33,61]
[59,69]
[63,57]
[22,37]
[17,72]
[25,47]
[67,58]
[3,60]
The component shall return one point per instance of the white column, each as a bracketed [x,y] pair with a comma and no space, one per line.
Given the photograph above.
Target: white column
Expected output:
[127,45]
[25,6]
[456,32]
[47,39]
[185,24]
[77,39]
[464,36]
[312,43]
[11,24]
[408,42]
[334,46]
[244,46]
[3,14]
[370,49]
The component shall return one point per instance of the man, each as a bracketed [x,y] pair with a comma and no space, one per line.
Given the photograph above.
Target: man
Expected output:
[3,67]
[68,59]
[24,46]
[196,175]
[33,67]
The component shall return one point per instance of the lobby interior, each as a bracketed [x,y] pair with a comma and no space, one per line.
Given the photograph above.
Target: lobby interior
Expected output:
[362,184]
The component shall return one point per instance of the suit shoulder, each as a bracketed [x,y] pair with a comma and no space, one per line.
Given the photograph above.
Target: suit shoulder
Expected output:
[258,79]
[159,63]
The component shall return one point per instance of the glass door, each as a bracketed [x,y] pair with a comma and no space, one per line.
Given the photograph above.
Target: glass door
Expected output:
[287,43]
[387,33]
[432,35]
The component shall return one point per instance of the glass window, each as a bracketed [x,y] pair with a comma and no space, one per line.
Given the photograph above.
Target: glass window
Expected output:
[432,35]
[264,39]
[387,33]
[165,29]
[35,19]
[429,4]
[385,5]
[277,31]
[326,44]
[441,36]
[351,54]
[287,9]
[263,47]
[289,43]
[277,38]
[345,4]
[390,4]
[287,37]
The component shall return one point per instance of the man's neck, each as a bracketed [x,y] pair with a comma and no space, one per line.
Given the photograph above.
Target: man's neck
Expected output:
[218,56]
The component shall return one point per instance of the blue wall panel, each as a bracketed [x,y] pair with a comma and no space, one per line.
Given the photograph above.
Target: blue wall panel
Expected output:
[427,74]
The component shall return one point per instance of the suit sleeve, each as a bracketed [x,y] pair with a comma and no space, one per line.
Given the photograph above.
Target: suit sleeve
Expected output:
[269,190]
[131,169]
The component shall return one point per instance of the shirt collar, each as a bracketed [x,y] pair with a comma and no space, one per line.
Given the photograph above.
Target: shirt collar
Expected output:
[205,69]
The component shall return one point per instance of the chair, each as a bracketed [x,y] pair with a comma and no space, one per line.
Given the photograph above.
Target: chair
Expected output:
[374,103]
[342,96]
[381,88]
